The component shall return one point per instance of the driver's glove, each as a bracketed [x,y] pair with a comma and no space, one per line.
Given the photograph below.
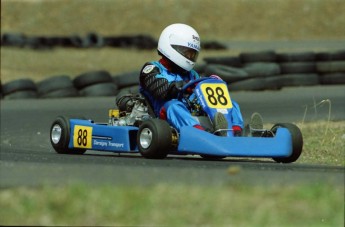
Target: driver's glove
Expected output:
[174,89]
[215,77]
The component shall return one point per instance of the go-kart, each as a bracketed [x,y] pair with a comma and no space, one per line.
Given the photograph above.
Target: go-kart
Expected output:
[132,127]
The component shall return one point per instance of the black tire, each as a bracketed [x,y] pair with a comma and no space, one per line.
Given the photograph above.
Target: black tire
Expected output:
[54,41]
[297,142]
[331,67]
[262,69]
[132,90]
[227,73]
[228,61]
[62,93]
[119,41]
[154,139]
[254,84]
[13,39]
[144,42]
[126,79]
[90,78]
[296,57]
[35,43]
[60,136]
[22,95]
[332,78]
[331,56]
[102,89]
[200,68]
[95,40]
[260,56]
[18,85]
[298,67]
[291,80]
[80,42]
[66,41]
[53,84]
[213,45]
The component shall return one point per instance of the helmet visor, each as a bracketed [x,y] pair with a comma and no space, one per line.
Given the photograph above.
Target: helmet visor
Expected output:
[187,52]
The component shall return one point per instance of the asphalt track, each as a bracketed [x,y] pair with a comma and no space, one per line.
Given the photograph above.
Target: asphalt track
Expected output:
[28,159]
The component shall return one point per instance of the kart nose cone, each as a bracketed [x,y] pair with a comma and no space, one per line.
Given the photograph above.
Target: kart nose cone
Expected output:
[56,134]
[145,138]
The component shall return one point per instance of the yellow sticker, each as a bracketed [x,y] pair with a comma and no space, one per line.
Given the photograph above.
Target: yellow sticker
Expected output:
[114,113]
[82,136]
[216,96]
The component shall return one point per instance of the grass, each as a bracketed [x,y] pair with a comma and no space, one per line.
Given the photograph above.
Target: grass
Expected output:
[39,65]
[324,142]
[174,205]
[219,19]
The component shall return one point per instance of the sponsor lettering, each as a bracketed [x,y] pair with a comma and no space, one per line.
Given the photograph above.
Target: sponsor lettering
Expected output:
[199,95]
[223,111]
[148,68]
[100,143]
[194,46]
[117,145]
[108,143]
[196,38]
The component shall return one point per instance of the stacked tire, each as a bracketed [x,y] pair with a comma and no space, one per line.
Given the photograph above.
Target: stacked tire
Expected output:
[95,83]
[57,87]
[331,67]
[19,89]
[267,70]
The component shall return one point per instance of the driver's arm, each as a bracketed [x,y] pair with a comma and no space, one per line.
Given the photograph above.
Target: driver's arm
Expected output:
[154,82]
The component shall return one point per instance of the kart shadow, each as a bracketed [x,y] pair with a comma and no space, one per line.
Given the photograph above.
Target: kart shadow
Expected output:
[179,157]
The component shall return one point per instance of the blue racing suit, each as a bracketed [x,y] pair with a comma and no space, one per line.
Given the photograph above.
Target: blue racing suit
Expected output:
[161,87]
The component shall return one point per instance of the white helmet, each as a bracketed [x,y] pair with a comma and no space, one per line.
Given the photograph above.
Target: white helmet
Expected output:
[181,44]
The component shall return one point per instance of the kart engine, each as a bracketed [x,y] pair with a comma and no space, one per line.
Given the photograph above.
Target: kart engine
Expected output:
[132,109]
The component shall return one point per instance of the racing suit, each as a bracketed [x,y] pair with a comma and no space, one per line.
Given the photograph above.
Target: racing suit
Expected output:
[161,87]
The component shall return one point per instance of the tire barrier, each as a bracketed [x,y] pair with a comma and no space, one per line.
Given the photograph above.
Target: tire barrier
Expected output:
[56,86]
[268,70]
[126,79]
[90,40]
[258,71]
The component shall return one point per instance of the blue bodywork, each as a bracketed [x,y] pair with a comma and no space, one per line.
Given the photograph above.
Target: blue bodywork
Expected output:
[194,141]
[108,138]
[122,139]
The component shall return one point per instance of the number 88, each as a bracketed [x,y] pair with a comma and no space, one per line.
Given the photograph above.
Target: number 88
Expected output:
[218,98]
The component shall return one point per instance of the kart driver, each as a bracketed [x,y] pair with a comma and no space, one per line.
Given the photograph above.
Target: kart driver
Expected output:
[161,81]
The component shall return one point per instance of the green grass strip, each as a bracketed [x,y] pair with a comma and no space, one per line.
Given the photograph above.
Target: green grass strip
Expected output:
[174,205]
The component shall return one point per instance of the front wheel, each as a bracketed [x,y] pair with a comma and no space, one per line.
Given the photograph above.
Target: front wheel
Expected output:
[154,139]
[297,142]
[60,136]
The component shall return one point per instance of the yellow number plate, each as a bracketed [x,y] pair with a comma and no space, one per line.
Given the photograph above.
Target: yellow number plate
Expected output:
[82,136]
[216,96]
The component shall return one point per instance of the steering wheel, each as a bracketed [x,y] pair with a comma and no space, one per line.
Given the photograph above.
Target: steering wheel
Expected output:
[191,84]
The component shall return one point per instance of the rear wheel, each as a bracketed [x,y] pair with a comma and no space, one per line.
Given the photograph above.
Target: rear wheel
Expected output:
[154,139]
[297,142]
[60,136]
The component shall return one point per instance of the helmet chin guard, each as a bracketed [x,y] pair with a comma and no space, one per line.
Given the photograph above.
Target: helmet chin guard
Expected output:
[181,44]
